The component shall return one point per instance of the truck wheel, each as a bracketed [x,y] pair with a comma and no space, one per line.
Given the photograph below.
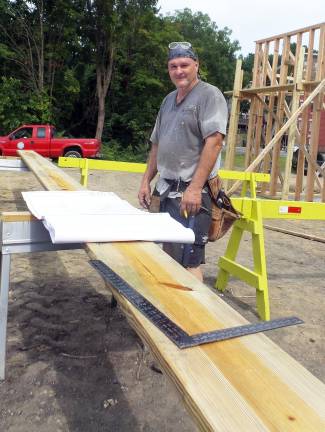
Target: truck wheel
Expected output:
[73,153]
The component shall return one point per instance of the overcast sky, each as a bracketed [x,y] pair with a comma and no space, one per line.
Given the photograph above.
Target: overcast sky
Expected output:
[251,20]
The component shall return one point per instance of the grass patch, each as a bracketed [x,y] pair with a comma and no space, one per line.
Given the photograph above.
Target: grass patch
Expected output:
[113,151]
[239,164]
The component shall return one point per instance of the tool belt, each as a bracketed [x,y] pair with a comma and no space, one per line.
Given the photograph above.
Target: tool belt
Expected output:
[223,213]
[174,186]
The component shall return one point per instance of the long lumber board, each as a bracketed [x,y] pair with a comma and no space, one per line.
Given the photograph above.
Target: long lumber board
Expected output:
[245,384]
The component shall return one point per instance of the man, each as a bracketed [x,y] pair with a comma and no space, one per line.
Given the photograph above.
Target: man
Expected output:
[186,150]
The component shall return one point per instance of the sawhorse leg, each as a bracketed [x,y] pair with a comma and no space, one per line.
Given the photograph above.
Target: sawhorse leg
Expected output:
[4,291]
[231,253]
[257,278]
[262,291]
[84,172]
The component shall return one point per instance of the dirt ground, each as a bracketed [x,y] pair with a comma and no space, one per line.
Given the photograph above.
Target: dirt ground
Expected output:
[74,364]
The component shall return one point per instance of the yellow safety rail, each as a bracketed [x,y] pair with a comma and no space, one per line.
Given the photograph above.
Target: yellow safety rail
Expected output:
[253,212]
[86,164]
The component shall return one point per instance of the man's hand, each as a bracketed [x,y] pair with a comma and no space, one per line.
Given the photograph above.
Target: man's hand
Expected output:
[191,201]
[144,195]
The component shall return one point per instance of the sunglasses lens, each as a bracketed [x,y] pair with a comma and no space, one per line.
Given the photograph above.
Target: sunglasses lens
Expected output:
[184,45]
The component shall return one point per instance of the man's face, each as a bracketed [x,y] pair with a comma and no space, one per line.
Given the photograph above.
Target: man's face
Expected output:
[182,71]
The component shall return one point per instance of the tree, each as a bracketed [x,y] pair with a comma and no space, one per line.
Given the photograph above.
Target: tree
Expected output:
[38,40]
[99,65]
[140,79]
[110,24]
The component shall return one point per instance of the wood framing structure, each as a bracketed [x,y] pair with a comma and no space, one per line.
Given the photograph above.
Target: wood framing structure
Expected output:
[243,384]
[288,70]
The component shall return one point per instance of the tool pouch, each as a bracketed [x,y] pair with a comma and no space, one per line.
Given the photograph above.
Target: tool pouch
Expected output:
[223,213]
[155,202]
[157,199]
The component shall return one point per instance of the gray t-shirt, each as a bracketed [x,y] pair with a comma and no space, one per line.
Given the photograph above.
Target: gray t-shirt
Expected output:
[181,129]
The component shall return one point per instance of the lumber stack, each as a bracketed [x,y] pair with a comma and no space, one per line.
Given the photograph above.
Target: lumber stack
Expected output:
[244,384]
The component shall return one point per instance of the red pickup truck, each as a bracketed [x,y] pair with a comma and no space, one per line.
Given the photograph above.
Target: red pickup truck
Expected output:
[42,139]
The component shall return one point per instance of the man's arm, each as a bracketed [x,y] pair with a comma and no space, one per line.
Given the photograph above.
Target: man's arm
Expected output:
[191,201]
[144,194]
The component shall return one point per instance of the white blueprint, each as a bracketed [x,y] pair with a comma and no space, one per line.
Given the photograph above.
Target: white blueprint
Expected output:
[93,216]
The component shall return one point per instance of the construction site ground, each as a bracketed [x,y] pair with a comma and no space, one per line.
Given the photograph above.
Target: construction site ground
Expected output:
[74,364]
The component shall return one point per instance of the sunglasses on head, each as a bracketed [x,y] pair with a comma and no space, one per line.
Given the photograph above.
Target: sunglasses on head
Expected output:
[183,45]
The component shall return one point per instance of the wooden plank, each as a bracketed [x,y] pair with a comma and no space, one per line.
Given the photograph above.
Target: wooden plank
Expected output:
[233,121]
[249,93]
[252,110]
[304,121]
[320,73]
[16,217]
[280,116]
[48,175]
[268,89]
[292,130]
[246,384]
[271,117]
[260,109]
[292,33]
[295,233]
[250,131]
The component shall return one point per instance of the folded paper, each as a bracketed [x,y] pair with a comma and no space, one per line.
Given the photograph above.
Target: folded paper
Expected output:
[93,216]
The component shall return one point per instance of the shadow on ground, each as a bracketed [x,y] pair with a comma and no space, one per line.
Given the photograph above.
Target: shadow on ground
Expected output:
[74,364]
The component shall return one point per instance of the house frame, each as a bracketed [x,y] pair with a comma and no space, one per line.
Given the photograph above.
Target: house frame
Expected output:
[286,99]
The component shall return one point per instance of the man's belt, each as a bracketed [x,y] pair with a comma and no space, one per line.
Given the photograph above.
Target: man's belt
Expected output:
[180,185]
[177,185]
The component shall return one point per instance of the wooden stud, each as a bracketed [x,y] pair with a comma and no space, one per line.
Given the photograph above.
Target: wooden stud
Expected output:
[317,106]
[233,121]
[292,131]
[260,110]
[304,122]
[253,108]
[270,115]
[280,115]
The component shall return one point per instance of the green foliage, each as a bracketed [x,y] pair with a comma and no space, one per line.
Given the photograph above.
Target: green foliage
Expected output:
[140,79]
[247,66]
[49,51]
[18,107]
[113,150]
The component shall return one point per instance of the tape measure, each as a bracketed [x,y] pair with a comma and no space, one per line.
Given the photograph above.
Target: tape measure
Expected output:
[172,330]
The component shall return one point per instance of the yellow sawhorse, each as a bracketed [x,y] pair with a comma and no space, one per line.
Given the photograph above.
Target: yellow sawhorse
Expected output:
[253,212]
[252,222]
